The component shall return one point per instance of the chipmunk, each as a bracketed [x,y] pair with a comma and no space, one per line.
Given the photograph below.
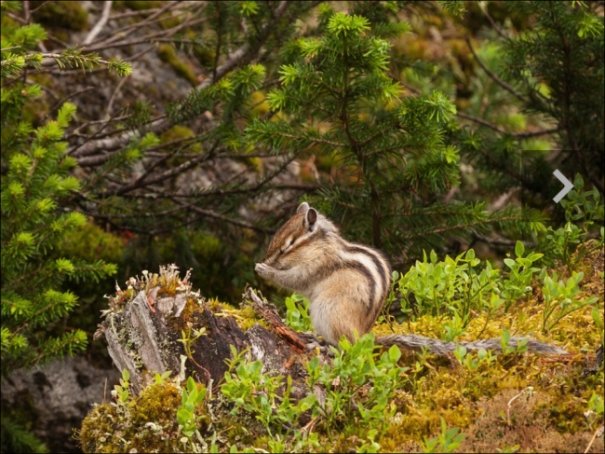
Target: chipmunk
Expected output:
[347,284]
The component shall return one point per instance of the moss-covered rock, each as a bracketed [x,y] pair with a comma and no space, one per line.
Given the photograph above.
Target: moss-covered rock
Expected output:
[145,424]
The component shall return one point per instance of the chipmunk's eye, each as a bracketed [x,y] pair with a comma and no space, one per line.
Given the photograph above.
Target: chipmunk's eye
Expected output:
[288,243]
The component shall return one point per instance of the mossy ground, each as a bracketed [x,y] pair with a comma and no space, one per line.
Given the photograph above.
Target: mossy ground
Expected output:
[501,403]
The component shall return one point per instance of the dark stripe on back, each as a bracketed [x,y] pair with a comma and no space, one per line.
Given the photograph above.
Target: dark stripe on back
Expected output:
[378,262]
[381,263]
[325,272]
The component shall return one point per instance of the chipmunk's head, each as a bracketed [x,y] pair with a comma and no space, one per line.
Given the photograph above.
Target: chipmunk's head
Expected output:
[302,231]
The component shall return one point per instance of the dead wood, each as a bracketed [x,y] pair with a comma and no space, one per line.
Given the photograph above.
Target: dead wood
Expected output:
[148,334]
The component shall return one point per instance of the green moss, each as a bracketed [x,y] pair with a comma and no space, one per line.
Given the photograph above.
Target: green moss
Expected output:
[248,318]
[182,67]
[177,132]
[66,14]
[144,424]
[156,403]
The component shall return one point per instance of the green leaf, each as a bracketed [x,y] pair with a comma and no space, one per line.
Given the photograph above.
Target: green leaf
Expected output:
[519,248]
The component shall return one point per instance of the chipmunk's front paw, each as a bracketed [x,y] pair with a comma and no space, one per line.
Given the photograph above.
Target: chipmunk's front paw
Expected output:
[263,270]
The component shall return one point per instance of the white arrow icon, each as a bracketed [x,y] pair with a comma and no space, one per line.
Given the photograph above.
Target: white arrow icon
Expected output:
[567,186]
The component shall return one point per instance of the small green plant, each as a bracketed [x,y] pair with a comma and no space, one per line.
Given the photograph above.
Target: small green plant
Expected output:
[453,328]
[520,276]
[594,415]
[506,346]
[472,361]
[252,390]
[583,207]
[358,386]
[560,243]
[158,379]
[561,298]
[188,337]
[354,368]
[454,285]
[584,210]
[122,391]
[297,312]
[192,397]
[447,441]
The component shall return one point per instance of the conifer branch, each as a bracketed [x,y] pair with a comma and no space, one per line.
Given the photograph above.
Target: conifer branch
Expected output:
[493,76]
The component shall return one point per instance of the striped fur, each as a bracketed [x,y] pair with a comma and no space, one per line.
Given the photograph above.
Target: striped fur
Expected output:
[346,283]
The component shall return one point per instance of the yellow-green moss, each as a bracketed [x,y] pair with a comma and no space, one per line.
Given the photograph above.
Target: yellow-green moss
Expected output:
[156,403]
[181,66]
[146,423]
[245,316]
[177,132]
[258,103]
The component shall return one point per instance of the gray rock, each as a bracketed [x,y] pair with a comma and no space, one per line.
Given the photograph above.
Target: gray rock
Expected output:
[57,396]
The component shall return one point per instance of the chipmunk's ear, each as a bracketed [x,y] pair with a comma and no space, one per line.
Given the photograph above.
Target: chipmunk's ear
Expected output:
[303,207]
[311,218]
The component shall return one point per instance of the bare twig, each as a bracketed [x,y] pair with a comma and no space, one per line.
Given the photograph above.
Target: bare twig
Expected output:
[597,433]
[219,216]
[58,104]
[529,391]
[99,25]
[236,58]
[167,174]
[105,145]
[26,12]
[120,33]
[163,34]
[113,97]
